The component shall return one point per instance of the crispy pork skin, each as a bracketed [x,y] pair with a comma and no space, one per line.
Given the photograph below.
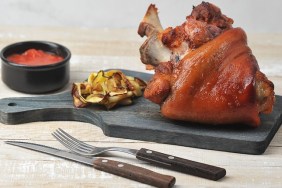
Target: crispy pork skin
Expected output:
[204,70]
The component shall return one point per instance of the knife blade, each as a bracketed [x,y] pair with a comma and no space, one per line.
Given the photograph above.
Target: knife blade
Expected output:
[122,169]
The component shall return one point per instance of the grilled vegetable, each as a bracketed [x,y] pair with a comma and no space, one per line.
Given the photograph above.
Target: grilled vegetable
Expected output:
[107,88]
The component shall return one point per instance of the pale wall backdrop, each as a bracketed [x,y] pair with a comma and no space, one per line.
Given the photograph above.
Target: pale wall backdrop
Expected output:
[255,16]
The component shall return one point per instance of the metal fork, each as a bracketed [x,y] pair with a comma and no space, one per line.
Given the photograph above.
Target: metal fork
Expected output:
[83,148]
[154,157]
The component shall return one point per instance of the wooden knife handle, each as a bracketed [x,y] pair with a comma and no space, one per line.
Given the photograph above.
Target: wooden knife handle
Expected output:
[181,165]
[134,173]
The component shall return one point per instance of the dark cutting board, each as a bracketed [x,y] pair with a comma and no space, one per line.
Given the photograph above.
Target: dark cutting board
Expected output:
[143,121]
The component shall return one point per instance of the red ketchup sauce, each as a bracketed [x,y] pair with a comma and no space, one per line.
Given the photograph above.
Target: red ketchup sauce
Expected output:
[33,57]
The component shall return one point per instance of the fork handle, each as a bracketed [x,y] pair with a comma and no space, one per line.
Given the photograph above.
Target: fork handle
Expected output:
[136,173]
[181,165]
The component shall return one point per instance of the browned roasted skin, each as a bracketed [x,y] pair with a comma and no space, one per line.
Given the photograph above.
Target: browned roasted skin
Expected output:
[217,81]
[205,23]
[211,14]
[158,88]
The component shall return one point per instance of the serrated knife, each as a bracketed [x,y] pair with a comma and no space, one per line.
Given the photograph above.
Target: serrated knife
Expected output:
[122,169]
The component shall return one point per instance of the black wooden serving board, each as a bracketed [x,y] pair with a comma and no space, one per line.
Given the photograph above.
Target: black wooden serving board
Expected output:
[143,121]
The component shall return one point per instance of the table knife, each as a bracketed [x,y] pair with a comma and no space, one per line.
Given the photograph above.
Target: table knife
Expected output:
[114,167]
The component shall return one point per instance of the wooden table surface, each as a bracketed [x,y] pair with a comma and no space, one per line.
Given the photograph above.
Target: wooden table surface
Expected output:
[95,49]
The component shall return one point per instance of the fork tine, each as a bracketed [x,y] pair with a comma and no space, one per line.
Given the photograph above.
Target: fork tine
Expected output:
[79,141]
[68,146]
[83,148]
[74,141]
[71,143]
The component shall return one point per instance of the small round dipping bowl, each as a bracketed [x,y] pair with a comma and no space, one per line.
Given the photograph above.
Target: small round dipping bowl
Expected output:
[35,79]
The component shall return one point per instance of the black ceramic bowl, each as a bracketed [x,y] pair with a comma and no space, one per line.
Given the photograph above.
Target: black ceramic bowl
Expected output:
[35,79]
